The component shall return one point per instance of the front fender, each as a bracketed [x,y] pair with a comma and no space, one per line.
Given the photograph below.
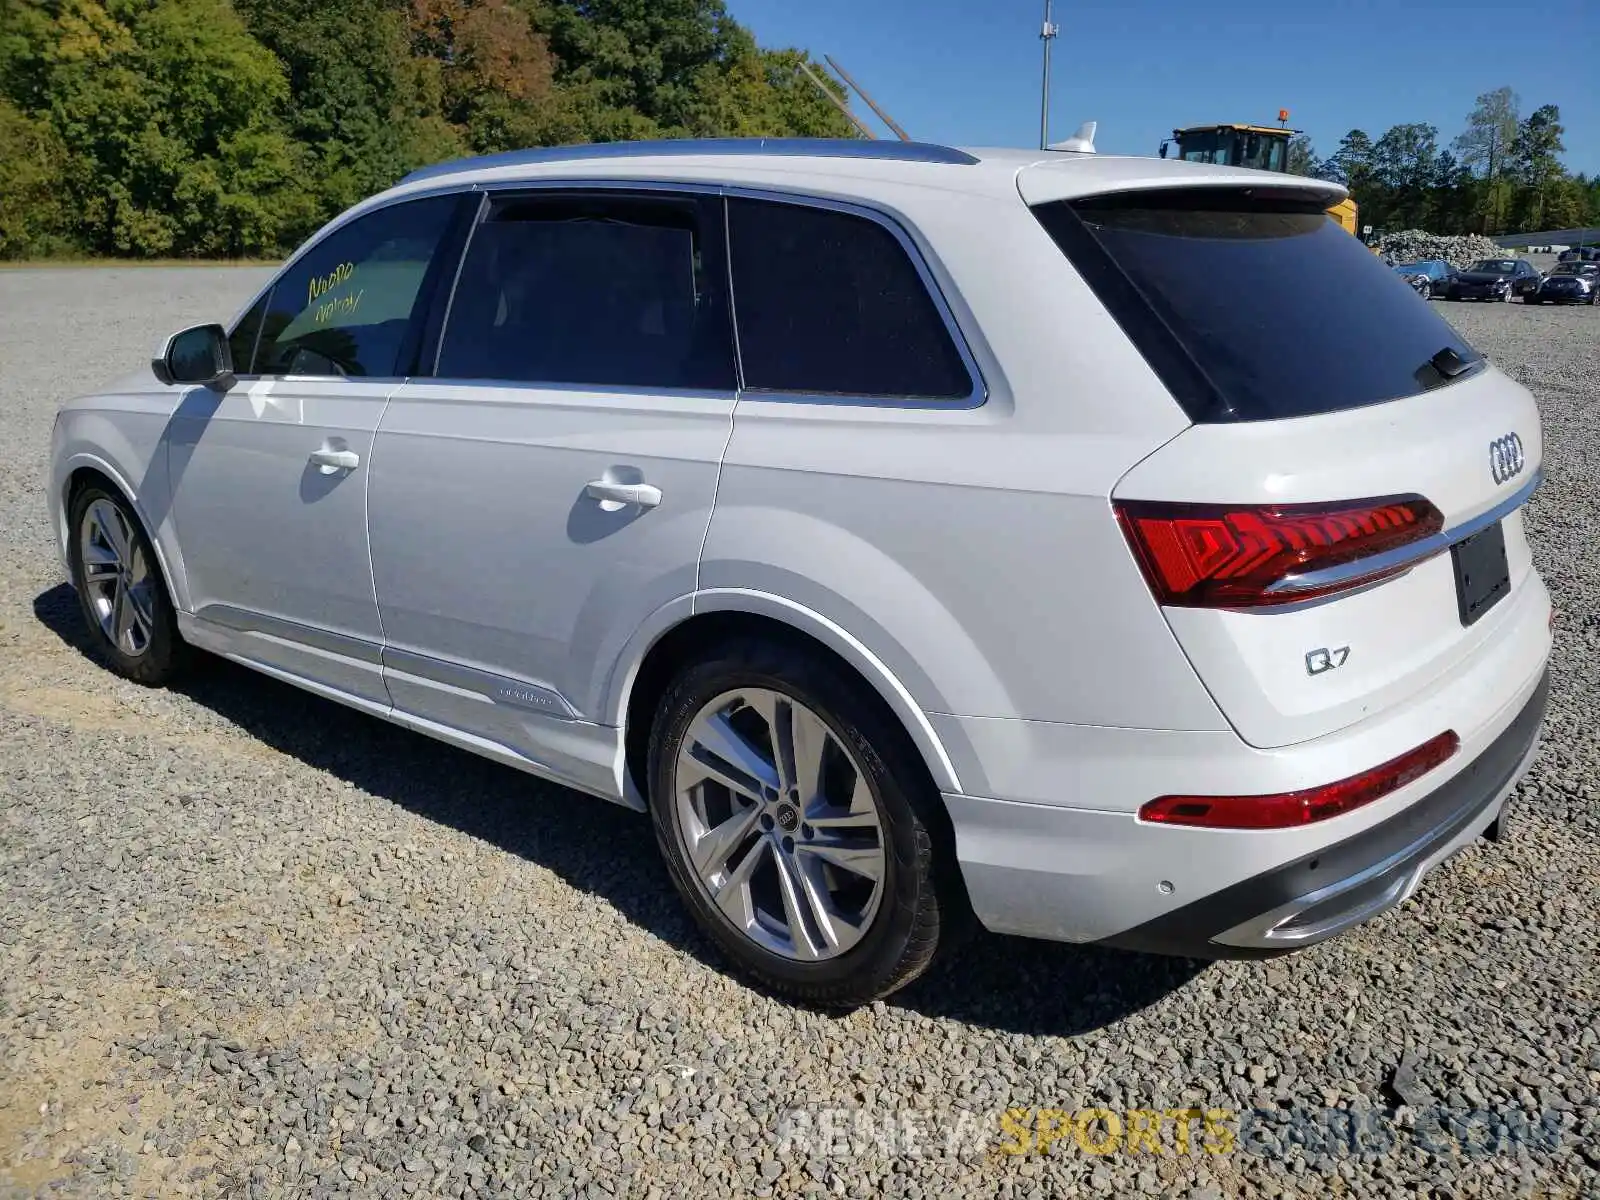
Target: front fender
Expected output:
[128,446]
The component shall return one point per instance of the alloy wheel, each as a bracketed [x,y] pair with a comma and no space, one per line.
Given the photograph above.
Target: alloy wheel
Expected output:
[117,580]
[779,825]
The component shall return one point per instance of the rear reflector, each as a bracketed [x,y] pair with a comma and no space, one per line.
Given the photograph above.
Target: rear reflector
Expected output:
[1288,809]
[1235,556]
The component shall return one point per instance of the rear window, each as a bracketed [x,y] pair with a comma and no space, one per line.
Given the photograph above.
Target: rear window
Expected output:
[1252,308]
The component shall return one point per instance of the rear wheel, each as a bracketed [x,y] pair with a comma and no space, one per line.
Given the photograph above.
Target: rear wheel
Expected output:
[797,826]
[124,600]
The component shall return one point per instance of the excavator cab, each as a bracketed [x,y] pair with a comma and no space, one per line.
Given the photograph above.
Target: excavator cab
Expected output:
[1260,147]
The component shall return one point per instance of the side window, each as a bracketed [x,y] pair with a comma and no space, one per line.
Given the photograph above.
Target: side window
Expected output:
[242,341]
[829,303]
[593,290]
[345,307]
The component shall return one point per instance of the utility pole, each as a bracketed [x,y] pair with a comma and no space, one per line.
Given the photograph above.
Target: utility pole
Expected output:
[1047,35]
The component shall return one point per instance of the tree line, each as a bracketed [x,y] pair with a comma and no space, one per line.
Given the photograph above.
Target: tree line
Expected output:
[234,128]
[1503,174]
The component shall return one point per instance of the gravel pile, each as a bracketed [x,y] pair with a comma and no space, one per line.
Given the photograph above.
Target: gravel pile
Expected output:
[252,944]
[1413,245]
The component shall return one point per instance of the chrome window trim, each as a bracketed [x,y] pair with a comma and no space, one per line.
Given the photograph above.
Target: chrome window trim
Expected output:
[455,282]
[1416,552]
[919,255]
[977,397]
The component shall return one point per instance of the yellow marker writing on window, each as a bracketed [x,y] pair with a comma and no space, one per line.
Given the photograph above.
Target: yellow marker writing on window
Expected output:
[325,283]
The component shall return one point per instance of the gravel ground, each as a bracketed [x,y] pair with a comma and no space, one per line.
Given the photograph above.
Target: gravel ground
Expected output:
[253,944]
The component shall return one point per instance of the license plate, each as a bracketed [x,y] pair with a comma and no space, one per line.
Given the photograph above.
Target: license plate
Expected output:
[1482,573]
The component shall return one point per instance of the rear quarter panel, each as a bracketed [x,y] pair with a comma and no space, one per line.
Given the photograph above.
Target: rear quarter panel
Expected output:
[973,550]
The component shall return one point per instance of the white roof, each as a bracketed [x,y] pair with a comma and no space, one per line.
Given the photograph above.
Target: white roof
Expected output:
[852,167]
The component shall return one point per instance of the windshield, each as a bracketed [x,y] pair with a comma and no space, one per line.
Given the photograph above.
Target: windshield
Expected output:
[1575,268]
[1163,262]
[1496,266]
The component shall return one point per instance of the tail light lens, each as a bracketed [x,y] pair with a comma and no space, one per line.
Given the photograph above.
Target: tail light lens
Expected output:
[1288,809]
[1232,556]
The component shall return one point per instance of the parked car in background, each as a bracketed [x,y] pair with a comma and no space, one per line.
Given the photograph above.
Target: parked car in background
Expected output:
[1569,283]
[1494,279]
[1580,254]
[753,485]
[1428,278]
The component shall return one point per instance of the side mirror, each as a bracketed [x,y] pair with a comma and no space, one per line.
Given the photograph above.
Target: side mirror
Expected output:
[196,355]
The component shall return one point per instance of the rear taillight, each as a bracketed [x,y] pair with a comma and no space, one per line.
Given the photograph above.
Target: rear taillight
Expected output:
[1248,556]
[1288,809]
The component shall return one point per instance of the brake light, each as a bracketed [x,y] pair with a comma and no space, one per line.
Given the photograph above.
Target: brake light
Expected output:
[1288,809]
[1237,556]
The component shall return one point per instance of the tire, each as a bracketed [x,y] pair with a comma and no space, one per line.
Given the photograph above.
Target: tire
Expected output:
[747,687]
[131,621]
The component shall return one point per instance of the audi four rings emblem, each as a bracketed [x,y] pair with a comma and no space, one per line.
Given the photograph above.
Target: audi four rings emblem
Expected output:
[1505,457]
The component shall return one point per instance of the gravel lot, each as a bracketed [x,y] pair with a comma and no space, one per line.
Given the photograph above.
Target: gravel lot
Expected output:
[253,944]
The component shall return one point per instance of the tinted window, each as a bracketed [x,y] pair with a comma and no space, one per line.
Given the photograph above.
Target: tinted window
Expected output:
[1253,309]
[242,341]
[829,303]
[597,290]
[344,307]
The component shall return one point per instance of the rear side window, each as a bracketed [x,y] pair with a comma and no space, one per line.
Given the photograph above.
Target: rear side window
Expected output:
[345,307]
[602,291]
[1255,309]
[829,303]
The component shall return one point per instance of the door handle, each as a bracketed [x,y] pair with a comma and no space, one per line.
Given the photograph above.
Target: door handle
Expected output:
[645,495]
[329,461]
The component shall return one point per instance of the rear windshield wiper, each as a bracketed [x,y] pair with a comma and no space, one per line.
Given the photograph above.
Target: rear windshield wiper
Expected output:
[1448,362]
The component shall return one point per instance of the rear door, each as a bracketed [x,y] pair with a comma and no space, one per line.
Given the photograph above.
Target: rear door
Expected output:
[549,487]
[1336,419]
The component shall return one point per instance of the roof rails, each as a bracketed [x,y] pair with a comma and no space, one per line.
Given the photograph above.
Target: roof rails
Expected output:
[678,147]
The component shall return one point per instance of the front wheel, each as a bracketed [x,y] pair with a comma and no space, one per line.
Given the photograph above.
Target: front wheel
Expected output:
[125,604]
[797,825]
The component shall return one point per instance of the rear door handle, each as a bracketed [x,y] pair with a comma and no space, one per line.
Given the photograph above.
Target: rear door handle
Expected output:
[645,495]
[329,461]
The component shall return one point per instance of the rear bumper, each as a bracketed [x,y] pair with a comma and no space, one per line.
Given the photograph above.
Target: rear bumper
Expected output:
[1066,858]
[1323,894]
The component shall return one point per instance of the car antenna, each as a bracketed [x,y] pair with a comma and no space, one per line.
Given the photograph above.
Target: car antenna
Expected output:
[1081,142]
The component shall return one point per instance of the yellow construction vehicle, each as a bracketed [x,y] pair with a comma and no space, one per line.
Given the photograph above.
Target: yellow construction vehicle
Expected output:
[1261,147]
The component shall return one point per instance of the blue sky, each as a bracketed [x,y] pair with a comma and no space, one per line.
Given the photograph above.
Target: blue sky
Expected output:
[967,71]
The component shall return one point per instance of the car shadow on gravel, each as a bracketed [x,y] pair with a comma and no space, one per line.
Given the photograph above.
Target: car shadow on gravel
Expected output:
[1007,983]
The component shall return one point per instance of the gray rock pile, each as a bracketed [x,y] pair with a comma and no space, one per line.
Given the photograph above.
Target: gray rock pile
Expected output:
[1415,245]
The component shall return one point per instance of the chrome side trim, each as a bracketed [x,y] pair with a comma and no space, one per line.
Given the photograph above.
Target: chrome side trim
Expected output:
[243,620]
[1416,552]
[501,689]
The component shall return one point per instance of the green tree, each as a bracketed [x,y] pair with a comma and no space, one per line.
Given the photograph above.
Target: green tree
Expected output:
[1535,158]
[1485,145]
[1302,159]
[33,220]
[1403,163]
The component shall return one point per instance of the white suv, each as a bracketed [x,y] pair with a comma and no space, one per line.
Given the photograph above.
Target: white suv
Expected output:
[1108,548]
